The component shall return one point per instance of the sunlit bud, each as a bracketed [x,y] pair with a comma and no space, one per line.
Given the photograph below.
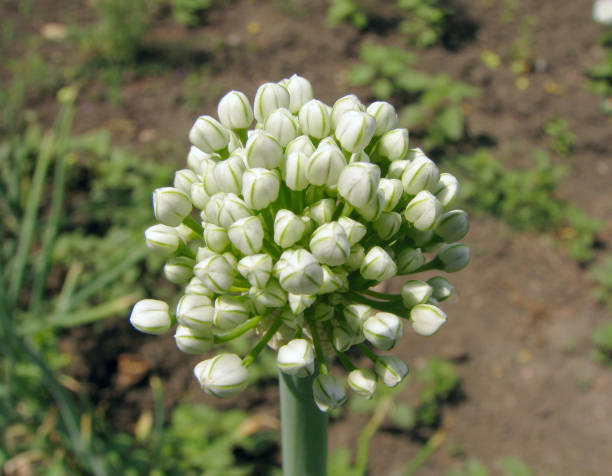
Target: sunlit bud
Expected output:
[195,311]
[195,157]
[423,211]
[397,169]
[162,239]
[602,12]
[283,125]
[394,144]
[234,111]
[391,370]
[297,358]
[355,129]
[216,237]
[322,211]
[213,207]
[421,174]
[409,260]
[331,281]
[363,382]
[346,103]
[301,273]
[342,340]
[372,210]
[288,228]
[292,320]
[300,302]
[309,223]
[230,311]
[294,173]
[383,330]
[448,189]
[204,252]
[356,315]
[208,135]
[300,144]
[360,156]
[453,257]
[192,341]
[187,234]
[247,235]
[354,230]
[263,150]
[392,190]
[170,205]
[426,319]
[260,187]
[315,119]
[415,292]
[216,273]
[272,296]
[328,392]
[183,179]
[387,225]
[179,270]
[198,195]
[151,316]
[257,269]
[385,115]
[325,165]
[358,183]
[452,226]
[228,174]
[235,145]
[300,92]
[232,210]
[209,180]
[329,244]
[268,98]
[222,376]
[196,287]
[378,265]
[355,259]
[442,289]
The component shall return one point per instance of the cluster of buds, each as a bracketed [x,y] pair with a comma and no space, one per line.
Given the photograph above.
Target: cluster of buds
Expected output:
[285,227]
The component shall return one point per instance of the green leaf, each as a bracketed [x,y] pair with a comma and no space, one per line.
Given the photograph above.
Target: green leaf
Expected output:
[362,74]
[513,467]
[451,122]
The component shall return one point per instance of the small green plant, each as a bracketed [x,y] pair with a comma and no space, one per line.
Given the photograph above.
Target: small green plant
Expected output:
[602,338]
[601,75]
[346,10]
[563,140]
[510,467]
[602,272]
[424,21]
[189,12]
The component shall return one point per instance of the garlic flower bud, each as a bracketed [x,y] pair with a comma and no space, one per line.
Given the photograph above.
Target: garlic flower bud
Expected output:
[294,174]
[268,98]
[179,270]
[283,125]
[442,289]
[263,150]
[448,189]
[423,211]
[421,174]
[192,341]
[426,319]
[297,357]
[415,292]
[195,312]
[358,183]
[452,226]
[346,103]
[328,392]
[151,316]
[355,130]
[228,174]
[325,165]
[216,238]
[354,230]
[222,376]
[208,135]
[391,370]
[300,144]
[383,330]
[216,273]
[170,205]
[394,144]
[378,265]
[385,116]
[330,245]
[260,187]
[162,239]
[257,269]
[300,92]
[300,273]
[288,228]
[453,257]
[247,235]
[363,382]
[235,111]
[315,119]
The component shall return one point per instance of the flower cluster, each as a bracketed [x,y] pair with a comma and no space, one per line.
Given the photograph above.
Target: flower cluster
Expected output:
[284,228]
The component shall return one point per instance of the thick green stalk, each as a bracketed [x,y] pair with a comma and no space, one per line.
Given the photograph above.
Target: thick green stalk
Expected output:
[304,428]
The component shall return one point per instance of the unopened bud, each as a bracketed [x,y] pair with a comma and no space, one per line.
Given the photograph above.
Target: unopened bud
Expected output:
[454,257]
[300,272]
[354,230]
[385,115]
[391,370]
[151,316]
[268,98]
[328,392]
[162,239]
[452,226]
[355,129]
[387,225]
[383,330]
[442,288]
[300,144]
[216,238]
[196,312]
[222,376]
[322,211]
[297,357]
[315,119]
[346,103]
[358,183]
[247,235]
[363,382]
[228,174]
[192,341]
[288,228]
[409,260]
[394,144]
[378,265]
[421,174]
[235,110]
[208,135]
[216,273]
[263,150]
[283,125]
[330,245]
[260,187]
[415,292]
[170,205]
[179,270]
[183,180]
[423,211]
[294,172]
[325,165]
[300,92]
[448,189]
[257,269]
[230,311]
[426,319]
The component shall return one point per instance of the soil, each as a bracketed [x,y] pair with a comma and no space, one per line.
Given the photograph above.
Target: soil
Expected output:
[520,323]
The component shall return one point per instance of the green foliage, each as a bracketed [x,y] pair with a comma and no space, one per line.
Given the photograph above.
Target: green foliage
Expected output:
[472,468]
[602,272]
[199,88]
[514,467]
[602,338]
[188,12]
[601,75]
[346,10]
[563,140]
[424,21]
[510,467]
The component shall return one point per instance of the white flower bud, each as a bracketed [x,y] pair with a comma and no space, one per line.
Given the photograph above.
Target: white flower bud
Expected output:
[228,174]
[448,189]
[297,357]
[196,312]
[385,115]
[358,183]
[300,92]
[355,259]
[260,187]
[196,287]
[230,311]
[328,392]
[234,111]
[325,165]
[397,169]
[231,259]
[383,330]
[330,245]
[322,211]
[391,370]
[195,157]
[360,156]
[356,315]
[363,382]
[421,174]
[426,319]
[300,144]
[392,190]
[294,173]
[198,195]
[257,269]
[272,296]
[300,272]
[332,281]
[423,211]
[315,119]
[232,210]
[263,150]
[355,129]
[183,179]
[415,292]
[298,303]
[378,265]
[442,289]
[354,230]
[602,12]
[372,210]
[394,144]
[213,207]
[192,341]
[216,273]
[268,98]
[387,225]
[247,235]
[454,257]
[222,376]
[216,237]
[288,228]
[151,316]
[179,270]
[346,103]
[208,135]
[162,239]
[452,226]
[283,125]
[170,205]
[409,260]
[186,234]
[342,340]
[209,181]
[204,252]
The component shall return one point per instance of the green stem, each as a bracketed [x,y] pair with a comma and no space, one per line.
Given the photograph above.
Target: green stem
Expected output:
[376,294]
[303,428]
[251,356]
[184,250]
[193,224]
[368,352]
[348,365]
[317,345]
[238,331]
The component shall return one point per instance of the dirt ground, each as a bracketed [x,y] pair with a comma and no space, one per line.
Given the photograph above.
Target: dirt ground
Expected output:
[520,322]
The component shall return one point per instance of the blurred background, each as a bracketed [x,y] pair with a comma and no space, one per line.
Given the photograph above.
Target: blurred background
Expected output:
[512,96]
